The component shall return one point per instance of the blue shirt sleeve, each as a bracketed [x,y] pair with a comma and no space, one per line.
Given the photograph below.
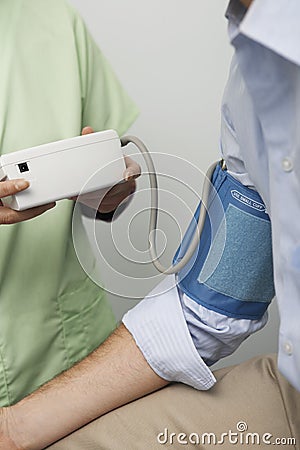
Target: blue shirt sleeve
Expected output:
[267,55]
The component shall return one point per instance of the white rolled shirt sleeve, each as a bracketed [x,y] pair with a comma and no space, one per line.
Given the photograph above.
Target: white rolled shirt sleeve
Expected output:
[180,338]
[159,329]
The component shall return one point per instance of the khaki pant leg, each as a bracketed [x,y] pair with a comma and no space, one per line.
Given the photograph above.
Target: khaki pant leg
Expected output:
[252,393]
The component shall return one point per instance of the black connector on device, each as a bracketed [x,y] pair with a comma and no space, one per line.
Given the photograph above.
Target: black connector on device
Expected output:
[23,167]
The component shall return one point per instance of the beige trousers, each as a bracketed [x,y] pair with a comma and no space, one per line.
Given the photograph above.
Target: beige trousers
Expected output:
[251,407]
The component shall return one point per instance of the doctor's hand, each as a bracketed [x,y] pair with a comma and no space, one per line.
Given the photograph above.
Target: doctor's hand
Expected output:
[9,216]
[107,201]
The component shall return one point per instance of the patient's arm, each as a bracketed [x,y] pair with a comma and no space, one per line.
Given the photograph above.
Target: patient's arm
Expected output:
[114,374]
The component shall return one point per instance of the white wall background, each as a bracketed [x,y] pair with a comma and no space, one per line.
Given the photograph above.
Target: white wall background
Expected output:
[173,58]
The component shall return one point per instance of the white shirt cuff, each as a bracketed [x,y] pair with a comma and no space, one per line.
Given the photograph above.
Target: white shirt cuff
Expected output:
[159,329]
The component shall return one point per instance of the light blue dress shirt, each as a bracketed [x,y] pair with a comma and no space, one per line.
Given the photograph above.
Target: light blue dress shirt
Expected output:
[260,139]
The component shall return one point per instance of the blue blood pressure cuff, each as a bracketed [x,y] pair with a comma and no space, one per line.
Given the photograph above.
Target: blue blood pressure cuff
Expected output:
[231,271]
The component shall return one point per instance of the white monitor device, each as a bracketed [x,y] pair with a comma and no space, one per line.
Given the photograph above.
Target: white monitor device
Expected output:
[63,169]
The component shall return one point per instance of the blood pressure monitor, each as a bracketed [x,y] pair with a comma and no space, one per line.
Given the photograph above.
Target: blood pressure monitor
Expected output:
[64,168]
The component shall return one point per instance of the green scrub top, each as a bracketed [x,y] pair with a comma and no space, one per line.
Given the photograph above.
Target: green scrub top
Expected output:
[53,82]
